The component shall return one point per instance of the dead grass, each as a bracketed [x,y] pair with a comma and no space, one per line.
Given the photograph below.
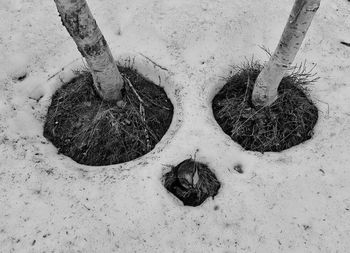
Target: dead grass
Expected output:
[289,121]
[95,132]
[191,182]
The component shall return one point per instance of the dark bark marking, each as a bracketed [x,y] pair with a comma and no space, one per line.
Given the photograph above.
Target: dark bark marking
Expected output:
[345,43]
[96,49]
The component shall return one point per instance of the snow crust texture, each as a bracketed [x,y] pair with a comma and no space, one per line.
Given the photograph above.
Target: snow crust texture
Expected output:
[294,201]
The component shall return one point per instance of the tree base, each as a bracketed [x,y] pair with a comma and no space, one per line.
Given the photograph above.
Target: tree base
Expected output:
[287,122]
[96,132]
[191,193]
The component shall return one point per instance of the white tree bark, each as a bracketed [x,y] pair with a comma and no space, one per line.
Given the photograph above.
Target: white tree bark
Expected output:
[81,25]
[266,85]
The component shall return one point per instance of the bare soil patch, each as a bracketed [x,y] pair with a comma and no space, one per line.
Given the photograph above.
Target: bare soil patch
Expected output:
[95,132]
[289,121]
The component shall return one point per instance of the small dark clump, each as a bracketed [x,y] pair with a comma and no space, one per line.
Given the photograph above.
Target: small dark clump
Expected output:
[289,121]
[95,132]
[191,182]
[238,168]
[22,77]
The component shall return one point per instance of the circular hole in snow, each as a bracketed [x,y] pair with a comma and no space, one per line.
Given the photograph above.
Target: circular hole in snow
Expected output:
[21,77]
[239,168]
[289,121]
[191,182]
[95,132]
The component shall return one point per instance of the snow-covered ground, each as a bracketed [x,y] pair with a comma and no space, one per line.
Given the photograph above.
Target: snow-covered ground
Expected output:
[294,201]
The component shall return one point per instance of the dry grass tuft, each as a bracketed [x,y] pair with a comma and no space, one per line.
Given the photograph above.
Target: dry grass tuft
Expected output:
[289,121]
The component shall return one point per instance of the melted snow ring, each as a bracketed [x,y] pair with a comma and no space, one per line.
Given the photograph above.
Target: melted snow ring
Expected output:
[94,144]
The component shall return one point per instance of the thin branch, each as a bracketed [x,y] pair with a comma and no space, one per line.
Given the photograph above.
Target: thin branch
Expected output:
[142,111]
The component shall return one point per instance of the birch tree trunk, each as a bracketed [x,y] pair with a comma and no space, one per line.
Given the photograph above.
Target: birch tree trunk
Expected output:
[266,85]
[82,27]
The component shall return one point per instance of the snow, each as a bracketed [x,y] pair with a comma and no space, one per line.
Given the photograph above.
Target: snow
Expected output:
[294,201]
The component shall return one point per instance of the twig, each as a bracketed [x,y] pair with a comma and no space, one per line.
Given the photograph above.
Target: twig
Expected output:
[156,104]
[266,50]
[154,63]
[142,111]
[133,89]
[61,70]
